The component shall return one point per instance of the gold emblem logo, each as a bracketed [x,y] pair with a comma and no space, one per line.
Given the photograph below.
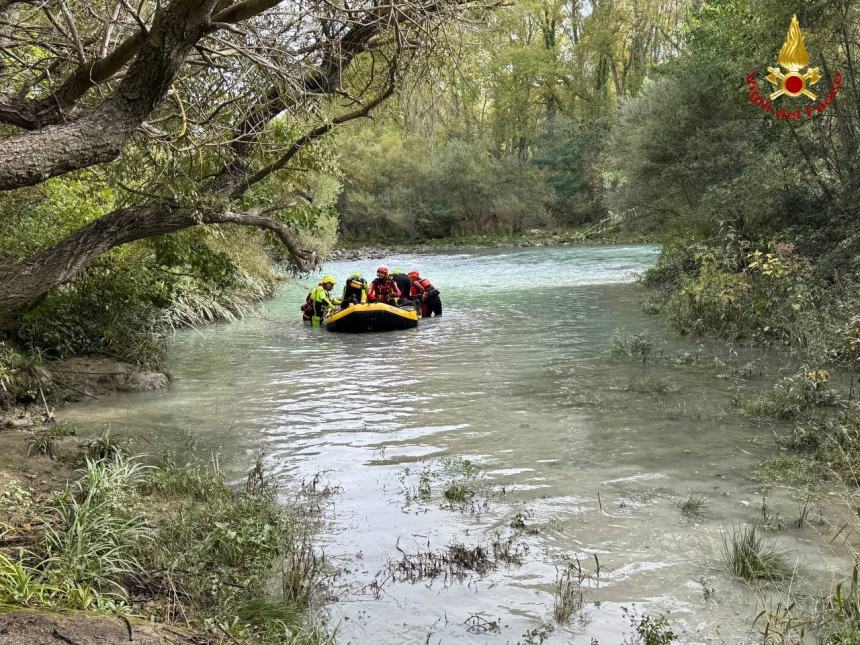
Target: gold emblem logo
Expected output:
[793,57]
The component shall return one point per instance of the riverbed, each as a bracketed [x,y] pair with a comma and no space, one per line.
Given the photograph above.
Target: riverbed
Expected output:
[566,457]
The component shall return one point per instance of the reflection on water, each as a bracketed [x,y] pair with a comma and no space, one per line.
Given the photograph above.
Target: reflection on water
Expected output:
[516,379]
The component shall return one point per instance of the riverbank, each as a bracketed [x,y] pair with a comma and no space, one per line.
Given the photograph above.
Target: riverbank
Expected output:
[33,390]
[171,550]
[604,232]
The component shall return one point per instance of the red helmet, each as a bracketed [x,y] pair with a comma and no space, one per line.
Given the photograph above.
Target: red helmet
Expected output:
[414,275]
[383,270]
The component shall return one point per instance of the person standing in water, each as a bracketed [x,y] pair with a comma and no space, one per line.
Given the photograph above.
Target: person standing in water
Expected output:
[319,301]
[422,289]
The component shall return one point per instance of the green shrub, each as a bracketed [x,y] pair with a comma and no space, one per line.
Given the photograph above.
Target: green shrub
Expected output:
[205,559]
[22,374]
[636,345]
[731,289]
[793,396]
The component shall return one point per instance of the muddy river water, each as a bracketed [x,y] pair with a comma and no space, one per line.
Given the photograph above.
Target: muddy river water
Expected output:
[558,449]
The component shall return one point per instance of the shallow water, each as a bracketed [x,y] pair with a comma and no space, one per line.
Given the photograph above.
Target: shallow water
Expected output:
[515,378]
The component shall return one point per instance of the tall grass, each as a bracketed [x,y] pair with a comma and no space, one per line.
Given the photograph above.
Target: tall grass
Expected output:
[178,540]
[91,543]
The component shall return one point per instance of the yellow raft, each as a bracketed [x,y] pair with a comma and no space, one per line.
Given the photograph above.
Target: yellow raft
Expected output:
[372,316]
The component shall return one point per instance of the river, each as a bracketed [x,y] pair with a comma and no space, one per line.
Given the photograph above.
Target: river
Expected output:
[513,392]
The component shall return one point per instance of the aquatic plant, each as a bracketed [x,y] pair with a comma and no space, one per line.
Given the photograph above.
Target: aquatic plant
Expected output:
[655,630]
[459,493]
[461,481]
[649,384]
[570,585]
[477,624]
[788,470]
[693,507]
[635,345]
[832,618]
[104,446]
[455,561]
[746,555]
[507,550]
[569,594]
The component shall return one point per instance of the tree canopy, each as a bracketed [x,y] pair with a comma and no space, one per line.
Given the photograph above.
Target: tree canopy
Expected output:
[191,112]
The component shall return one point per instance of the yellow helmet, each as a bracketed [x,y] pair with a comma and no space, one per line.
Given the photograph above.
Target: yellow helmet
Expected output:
[328,278]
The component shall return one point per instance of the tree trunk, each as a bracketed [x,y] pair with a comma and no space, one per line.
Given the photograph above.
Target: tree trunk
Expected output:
[24,281]
[100,135]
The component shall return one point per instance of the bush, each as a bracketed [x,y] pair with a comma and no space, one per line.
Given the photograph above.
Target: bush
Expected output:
[732,290]
[793,396]
[22,373]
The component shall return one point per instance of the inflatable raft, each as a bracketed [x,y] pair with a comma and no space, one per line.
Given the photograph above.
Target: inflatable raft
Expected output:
[372,316]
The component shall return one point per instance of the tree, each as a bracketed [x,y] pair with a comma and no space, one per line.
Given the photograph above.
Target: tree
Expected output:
[209,102]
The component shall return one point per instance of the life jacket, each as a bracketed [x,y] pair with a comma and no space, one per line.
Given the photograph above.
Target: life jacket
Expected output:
[308,308]
[383,290]
[355,288]
[423,288]
[317,302]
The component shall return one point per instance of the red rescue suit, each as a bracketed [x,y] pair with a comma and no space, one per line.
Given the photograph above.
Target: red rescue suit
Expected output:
[431,303]
[383,290]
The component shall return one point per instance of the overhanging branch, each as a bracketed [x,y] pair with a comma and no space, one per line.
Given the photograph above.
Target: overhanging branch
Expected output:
[314,134]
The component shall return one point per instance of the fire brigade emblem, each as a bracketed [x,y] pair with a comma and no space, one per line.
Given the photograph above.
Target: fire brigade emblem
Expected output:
[793,57]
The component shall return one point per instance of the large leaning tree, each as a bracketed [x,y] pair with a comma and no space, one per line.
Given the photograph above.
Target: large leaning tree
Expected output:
[214,101]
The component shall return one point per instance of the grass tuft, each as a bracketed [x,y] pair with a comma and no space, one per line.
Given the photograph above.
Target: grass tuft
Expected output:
[746,555]
[693,507]
[105,446]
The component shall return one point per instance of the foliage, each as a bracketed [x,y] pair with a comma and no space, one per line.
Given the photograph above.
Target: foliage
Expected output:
[635,345]
[204,559]
[104,446]
[22,373]
[752,253]
[833,618]
[90,547]
[828,446]
[769,294]
[654,630]
[122,304]
[43,439]
[793,396]
[453,189]
[515,137]
[570,585]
